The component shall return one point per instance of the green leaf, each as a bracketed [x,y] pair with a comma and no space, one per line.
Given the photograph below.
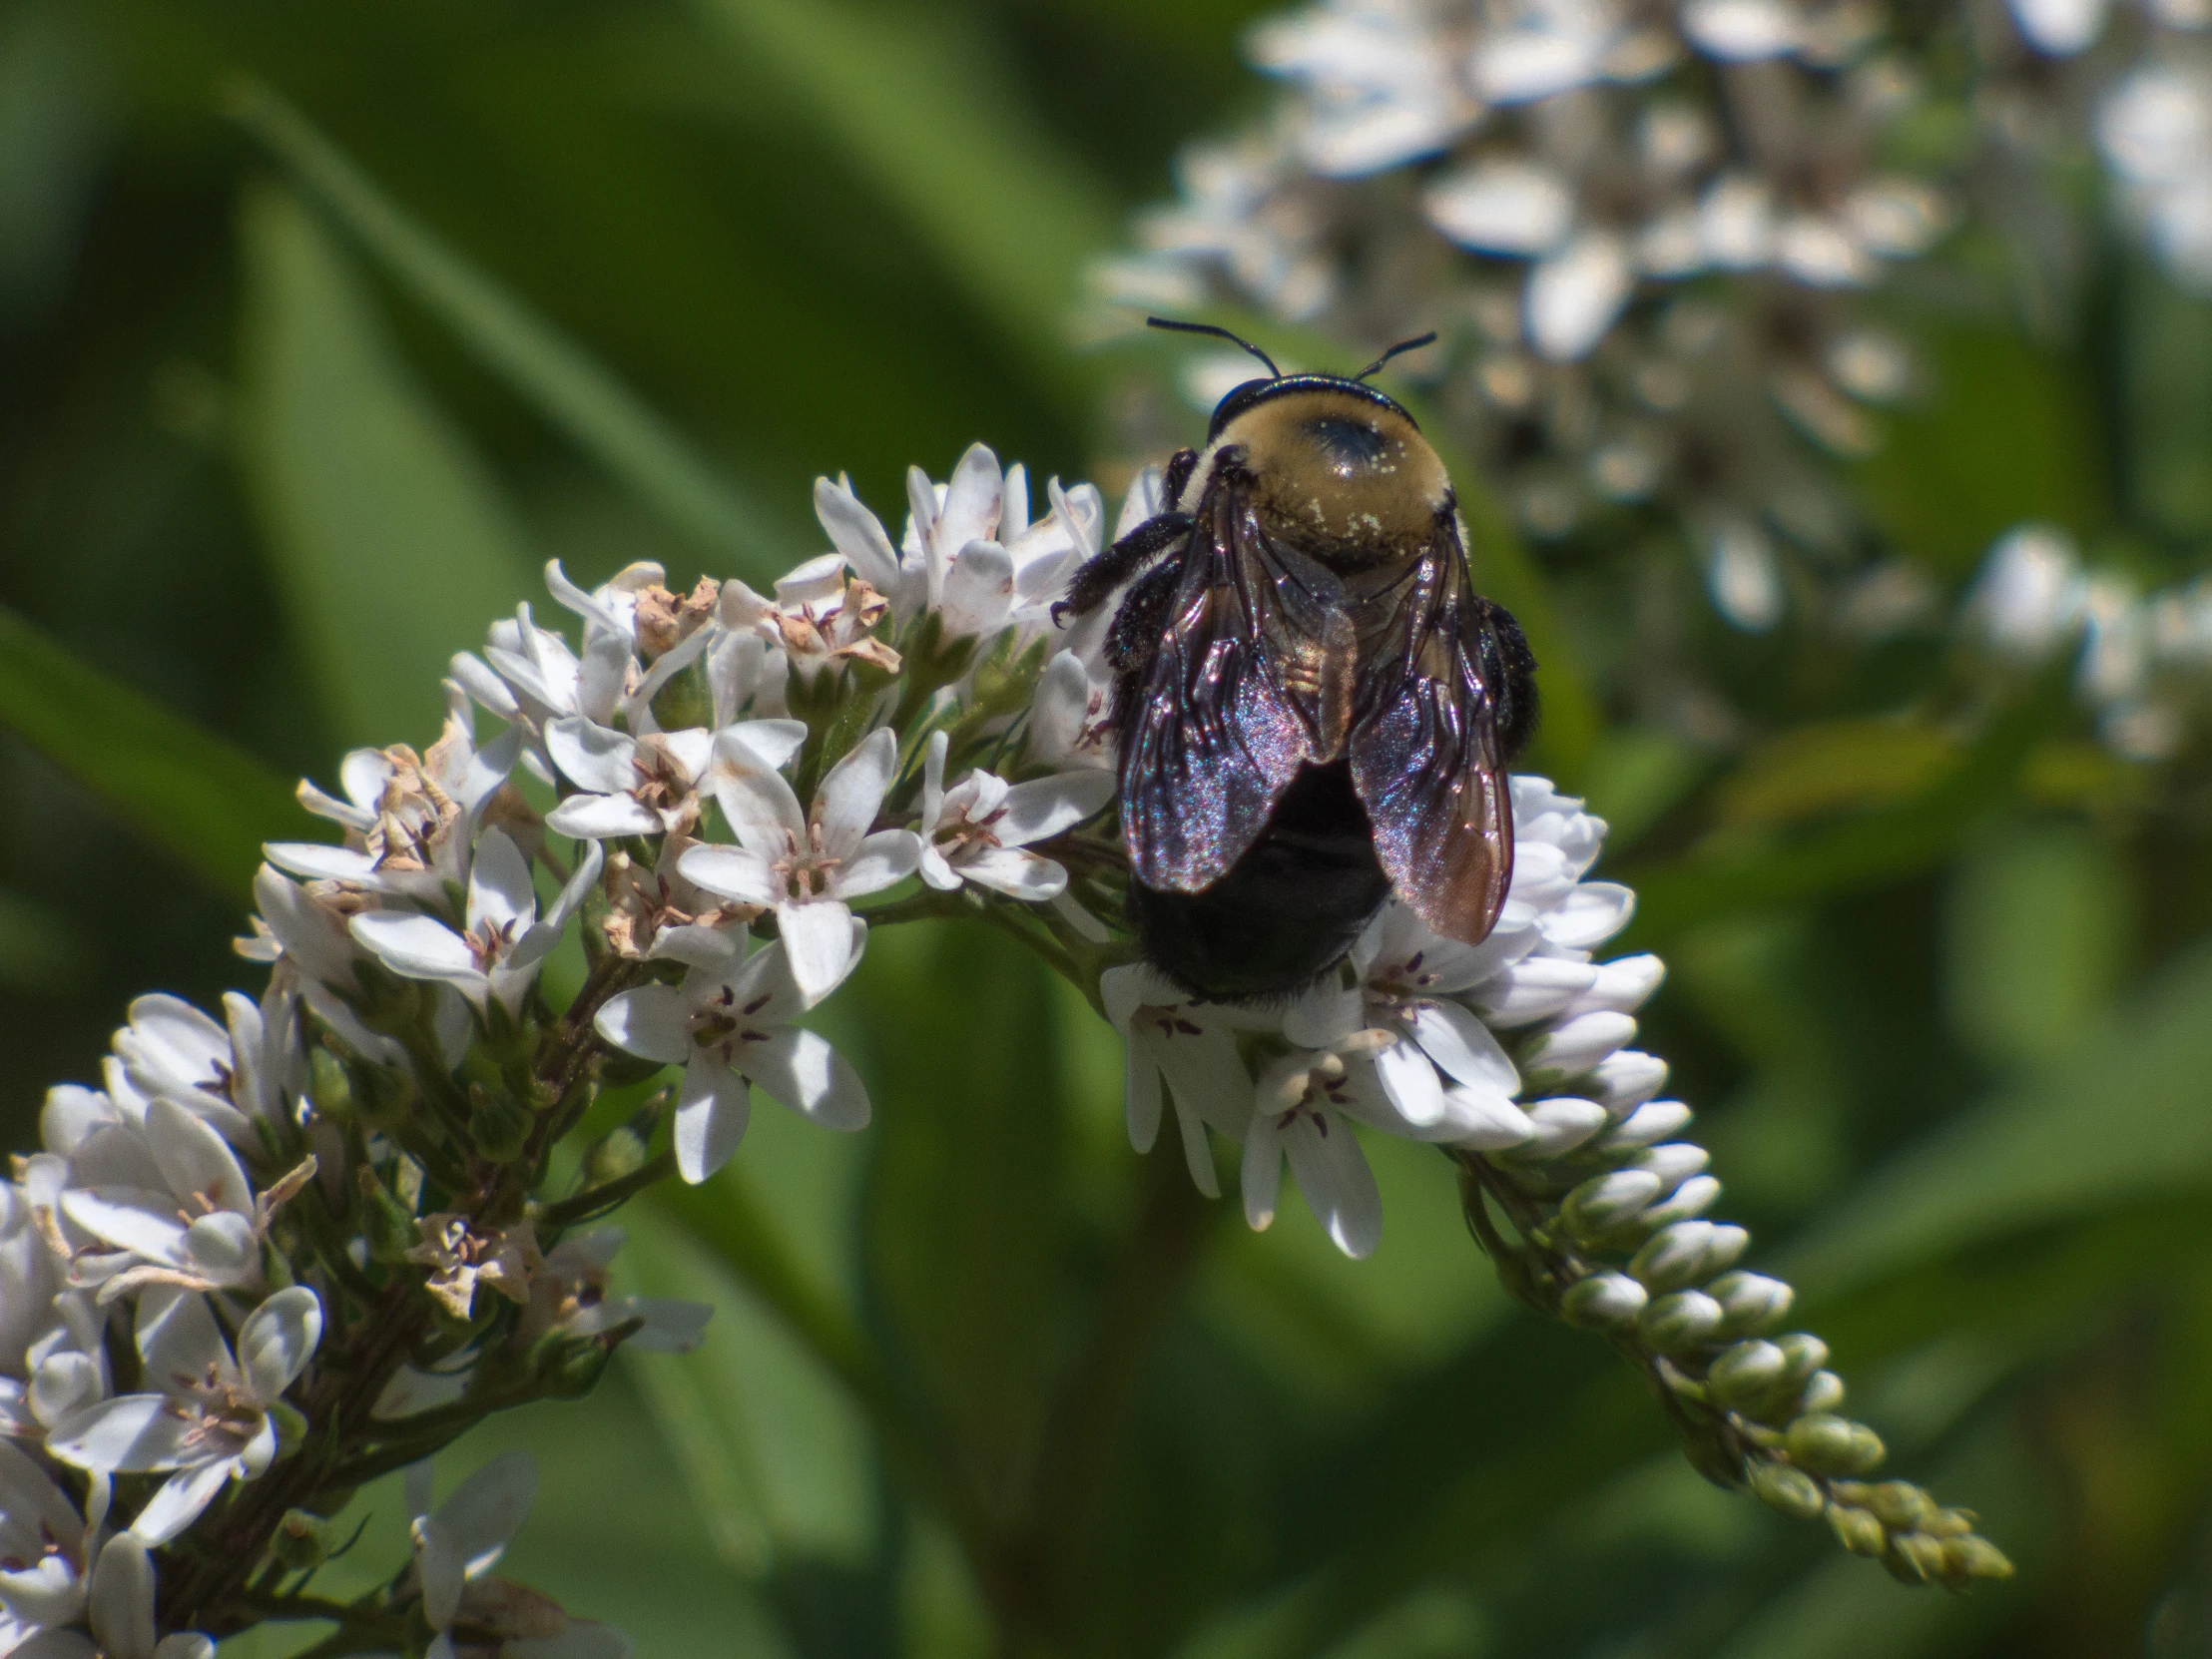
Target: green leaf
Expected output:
[2006,436]
[2121,1120]
[1811,770]
[772,1448]
[186,790]
[965,1223]
[389,540]
[921,112]
[2040,923]
[558,378]
[1726,878]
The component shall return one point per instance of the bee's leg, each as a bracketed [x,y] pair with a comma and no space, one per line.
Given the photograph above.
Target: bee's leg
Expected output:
[1135,634]
[1102,575]
[1180,465]
[1511,668]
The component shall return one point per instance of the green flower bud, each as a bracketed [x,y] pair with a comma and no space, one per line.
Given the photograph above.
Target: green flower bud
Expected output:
[328,1085]
[569,1366]
[1674,1162]
[1789,1492]
[1688,1253]
[1921,1558]
[1689,1201]
[1823,1392]
[1746,1373]
[1604,1201]
[499,1127]
[1972,1559]
[290,1425]
[687,700]
[1603,1301]
[1947,1523]
[1901,1506]
[1804,1354]
[387,1225]
[302,1541]
[1680,1321]
[1856,1530]
[617,1153]
[1834,1446]
[1751,1305]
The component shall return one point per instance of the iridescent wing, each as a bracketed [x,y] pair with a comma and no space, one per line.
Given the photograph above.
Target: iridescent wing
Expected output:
[1212,738]
[1425,752]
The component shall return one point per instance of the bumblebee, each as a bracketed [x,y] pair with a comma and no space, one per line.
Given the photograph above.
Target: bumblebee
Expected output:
[1314,708]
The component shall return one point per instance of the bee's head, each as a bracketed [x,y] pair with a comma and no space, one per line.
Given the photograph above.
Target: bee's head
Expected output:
[1338,466]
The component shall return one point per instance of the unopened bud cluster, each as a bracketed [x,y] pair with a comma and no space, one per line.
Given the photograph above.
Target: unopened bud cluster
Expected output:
[1608,1229]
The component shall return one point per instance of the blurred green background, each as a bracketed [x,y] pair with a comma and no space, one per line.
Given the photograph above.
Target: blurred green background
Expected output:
[285,419]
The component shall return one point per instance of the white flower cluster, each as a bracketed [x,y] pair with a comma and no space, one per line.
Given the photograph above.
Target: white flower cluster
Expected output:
[1640,226]
[2144,662]
[1519,1042]
[155,1222]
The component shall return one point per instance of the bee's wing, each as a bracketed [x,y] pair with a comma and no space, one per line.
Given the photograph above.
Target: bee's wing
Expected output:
[1426,754]
[1213,741]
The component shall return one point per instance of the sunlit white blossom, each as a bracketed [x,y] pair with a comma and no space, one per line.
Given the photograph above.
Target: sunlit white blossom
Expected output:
[206,1419]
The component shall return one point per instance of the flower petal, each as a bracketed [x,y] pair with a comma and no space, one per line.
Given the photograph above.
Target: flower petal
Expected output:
[886,857]
[592,756]
[710,1116]
[817,945]
[763,813]
[731,872]
[180,1501]
[277,1340]
[853,791]
[802,1070]
[1337,1185]
[651,1021]
[1046,806]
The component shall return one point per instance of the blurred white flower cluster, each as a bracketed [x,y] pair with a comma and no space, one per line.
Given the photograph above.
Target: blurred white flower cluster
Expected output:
[2143,663]
[1644,229]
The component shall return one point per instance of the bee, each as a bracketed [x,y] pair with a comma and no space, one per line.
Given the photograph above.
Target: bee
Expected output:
[1314,708]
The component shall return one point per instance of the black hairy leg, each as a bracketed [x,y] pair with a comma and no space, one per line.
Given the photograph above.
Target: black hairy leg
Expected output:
[1180,466]
[1134,636]
[1099,577]
[1510,669]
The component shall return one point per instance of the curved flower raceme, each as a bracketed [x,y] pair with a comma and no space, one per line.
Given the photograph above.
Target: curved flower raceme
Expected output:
[691,820]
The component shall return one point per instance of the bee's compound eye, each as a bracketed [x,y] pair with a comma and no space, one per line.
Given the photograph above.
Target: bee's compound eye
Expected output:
[1348,445]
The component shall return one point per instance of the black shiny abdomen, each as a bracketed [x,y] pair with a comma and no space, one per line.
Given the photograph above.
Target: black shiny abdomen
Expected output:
[1285,912]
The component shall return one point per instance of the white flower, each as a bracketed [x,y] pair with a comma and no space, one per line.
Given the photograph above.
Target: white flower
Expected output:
[502,943]
[646,786]
[208,1422]
[1448,1077]
[818,618]
[980,831]
[806,866]
[2027,600]
[30,1276]
[122,1615]
[568,1293]
[1304,1108]
[727,1025]
[44,1547]
[408,820]
[462,1256]
[171,1194]
[1188,1045]
[458,1545]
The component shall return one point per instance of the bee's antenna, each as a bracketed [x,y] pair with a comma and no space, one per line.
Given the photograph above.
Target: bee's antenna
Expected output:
[1402,345]
[1224,333]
